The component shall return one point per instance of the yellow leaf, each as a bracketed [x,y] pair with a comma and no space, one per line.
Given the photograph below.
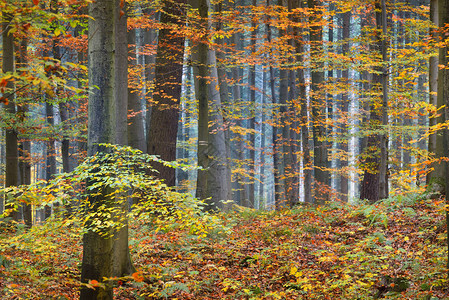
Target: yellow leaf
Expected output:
[293,270]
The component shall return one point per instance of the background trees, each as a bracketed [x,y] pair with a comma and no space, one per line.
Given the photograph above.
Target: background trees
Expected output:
[291,106]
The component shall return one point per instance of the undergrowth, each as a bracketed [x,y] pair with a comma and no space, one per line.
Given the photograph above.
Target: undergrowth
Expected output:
[394,249]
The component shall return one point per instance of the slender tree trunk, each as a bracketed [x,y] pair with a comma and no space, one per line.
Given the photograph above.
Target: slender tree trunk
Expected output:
[25,143]
[434,139]
[11,142]
[150,38]
[375,179]
[51,150]
[252,112]
[383,171]
[211,145]
[320,144]
[136,129]
[240,186]
[344,183]
[303,109]
[443,92]
[224,96]
[163,128]
[282,133]
[279,188]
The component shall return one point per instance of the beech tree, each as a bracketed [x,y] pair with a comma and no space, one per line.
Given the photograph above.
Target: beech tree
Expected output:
[163,127]
[11,141]
[212,179]
[106,254]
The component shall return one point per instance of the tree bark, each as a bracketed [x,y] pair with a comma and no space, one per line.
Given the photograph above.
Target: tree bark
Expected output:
[211,144]
[106,255]
[136,129]
[320,144]
[435,140]
[375,178]
[11,141]
[344,183]
[163,128]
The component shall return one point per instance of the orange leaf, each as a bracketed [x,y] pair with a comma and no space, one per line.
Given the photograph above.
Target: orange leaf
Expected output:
[35,2]
[94,282]
[137,277]
[4,100]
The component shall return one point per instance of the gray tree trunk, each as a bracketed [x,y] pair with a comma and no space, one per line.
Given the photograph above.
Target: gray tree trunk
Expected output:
[211,144]
[136,129]
[106,256]
[240,187]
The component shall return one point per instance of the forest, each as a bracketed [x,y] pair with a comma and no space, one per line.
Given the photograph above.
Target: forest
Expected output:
[224,149]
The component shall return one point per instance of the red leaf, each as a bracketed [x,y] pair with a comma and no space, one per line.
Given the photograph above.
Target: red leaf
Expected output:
[35,2]
[4,100]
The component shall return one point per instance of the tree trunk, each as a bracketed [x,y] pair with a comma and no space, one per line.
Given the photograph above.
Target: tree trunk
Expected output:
[240,186]
[375,179]
[383,168]
[163,128]
[434,139]
[443,92]
[344,183]
[211,145]
[320,144]
[51,150]
[106,255]
[25,143]
[136,129]
[11,142]
[252,114]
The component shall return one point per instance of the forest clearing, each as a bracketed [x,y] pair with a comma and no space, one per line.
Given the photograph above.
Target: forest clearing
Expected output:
[224,149]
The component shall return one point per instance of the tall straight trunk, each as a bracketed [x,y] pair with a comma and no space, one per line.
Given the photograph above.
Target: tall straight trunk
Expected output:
[303,115]
[136,129]
[288,132]
[252,112]
[344,183]
[11,142]
[383,168]
[282,134]
[443,92]
[320,144]
[149,38]
[375,179]
[25,143]
[224,95]
[106,255]
[51,150]
[263,142]
[211,184]
[163,128]
[434,139]
[279,189]
[240,186]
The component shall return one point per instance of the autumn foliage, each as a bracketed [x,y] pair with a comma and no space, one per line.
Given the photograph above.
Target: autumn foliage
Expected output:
[394,249]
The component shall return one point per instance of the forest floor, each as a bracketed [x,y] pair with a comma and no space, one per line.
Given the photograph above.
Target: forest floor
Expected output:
[395,249]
